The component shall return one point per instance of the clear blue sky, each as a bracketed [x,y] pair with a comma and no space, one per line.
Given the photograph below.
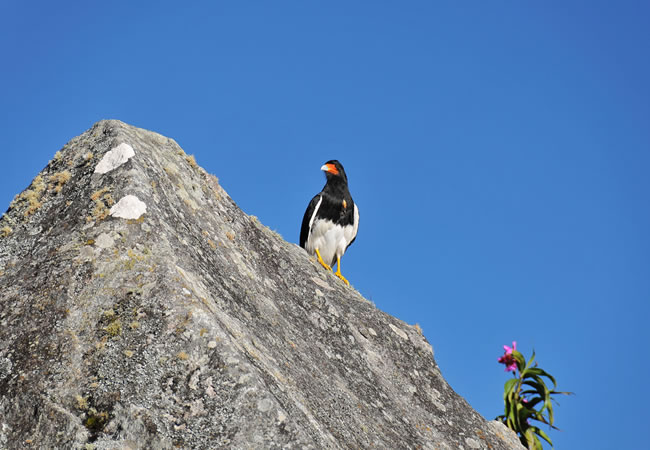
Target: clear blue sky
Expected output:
[499,153]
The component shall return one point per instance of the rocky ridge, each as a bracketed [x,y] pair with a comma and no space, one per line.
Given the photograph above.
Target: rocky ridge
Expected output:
[141,308]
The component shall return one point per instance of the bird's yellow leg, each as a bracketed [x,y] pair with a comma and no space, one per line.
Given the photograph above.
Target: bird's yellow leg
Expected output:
[338,270]
[320,260]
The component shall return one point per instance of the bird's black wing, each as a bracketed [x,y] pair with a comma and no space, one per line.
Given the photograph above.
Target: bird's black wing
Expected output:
[304,229]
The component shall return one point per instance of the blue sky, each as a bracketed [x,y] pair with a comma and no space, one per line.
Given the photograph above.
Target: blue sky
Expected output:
[499,153]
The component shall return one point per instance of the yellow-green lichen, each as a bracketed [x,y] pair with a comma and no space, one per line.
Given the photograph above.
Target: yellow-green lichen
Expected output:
[5,231]
[82,402]
[96,420]
[103,200]
[213,182]
[133,259]
[58,180]
[95,195]
[101,343]
[114,329]
[31,197]
[181,327]
[139,220]
[99,212]
[192,161]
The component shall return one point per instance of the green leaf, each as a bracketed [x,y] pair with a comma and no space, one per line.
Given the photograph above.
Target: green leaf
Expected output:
[532,371]
[533,402]
[562,392]
[525,414]
[515,416]
[529,393]
[532,440]
[532,383]
[540,382]
[540,418]
[519,358]
[540,389]
[549,407]
[549,376]
[509,397]
[512,423]
[542,435]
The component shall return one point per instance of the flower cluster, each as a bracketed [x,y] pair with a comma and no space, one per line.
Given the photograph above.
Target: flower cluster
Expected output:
[508,359]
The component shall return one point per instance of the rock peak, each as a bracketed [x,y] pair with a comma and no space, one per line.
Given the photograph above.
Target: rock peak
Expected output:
[141,308]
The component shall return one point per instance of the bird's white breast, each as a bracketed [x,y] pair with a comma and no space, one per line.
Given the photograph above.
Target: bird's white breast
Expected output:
[331,239]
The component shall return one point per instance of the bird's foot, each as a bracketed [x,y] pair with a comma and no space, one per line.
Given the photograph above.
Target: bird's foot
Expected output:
[338,274]
[320,260]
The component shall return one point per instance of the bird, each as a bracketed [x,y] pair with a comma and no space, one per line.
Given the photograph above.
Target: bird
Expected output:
[331,221]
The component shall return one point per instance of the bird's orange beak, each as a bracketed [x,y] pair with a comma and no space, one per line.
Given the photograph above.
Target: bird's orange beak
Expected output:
[331,168]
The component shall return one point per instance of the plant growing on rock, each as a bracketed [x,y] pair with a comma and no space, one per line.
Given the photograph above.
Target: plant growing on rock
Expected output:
[527,398]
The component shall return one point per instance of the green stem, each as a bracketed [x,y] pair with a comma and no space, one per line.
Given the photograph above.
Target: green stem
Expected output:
[522,426]
[519,384]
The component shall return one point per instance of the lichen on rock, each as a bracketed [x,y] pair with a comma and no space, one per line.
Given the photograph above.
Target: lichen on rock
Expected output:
[129,207]
[114,158]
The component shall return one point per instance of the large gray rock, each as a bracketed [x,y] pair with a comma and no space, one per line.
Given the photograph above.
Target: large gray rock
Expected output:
[141,308]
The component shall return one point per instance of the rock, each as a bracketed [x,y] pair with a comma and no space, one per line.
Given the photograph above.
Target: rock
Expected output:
[174,320]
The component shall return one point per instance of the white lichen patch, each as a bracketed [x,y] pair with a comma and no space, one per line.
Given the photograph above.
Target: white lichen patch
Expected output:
[86,254]
[322,283]
[115,158]
[129,207]
[104,241]
[398,331]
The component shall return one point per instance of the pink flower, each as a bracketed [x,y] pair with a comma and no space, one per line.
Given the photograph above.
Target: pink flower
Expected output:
[508,359]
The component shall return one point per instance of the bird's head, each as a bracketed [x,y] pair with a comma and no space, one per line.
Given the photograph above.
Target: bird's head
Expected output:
[334,171]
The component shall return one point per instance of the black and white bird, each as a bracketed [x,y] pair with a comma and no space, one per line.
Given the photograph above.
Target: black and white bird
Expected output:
[331,221]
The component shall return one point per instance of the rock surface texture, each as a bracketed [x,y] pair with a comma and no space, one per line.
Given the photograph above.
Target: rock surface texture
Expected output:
[141,308]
